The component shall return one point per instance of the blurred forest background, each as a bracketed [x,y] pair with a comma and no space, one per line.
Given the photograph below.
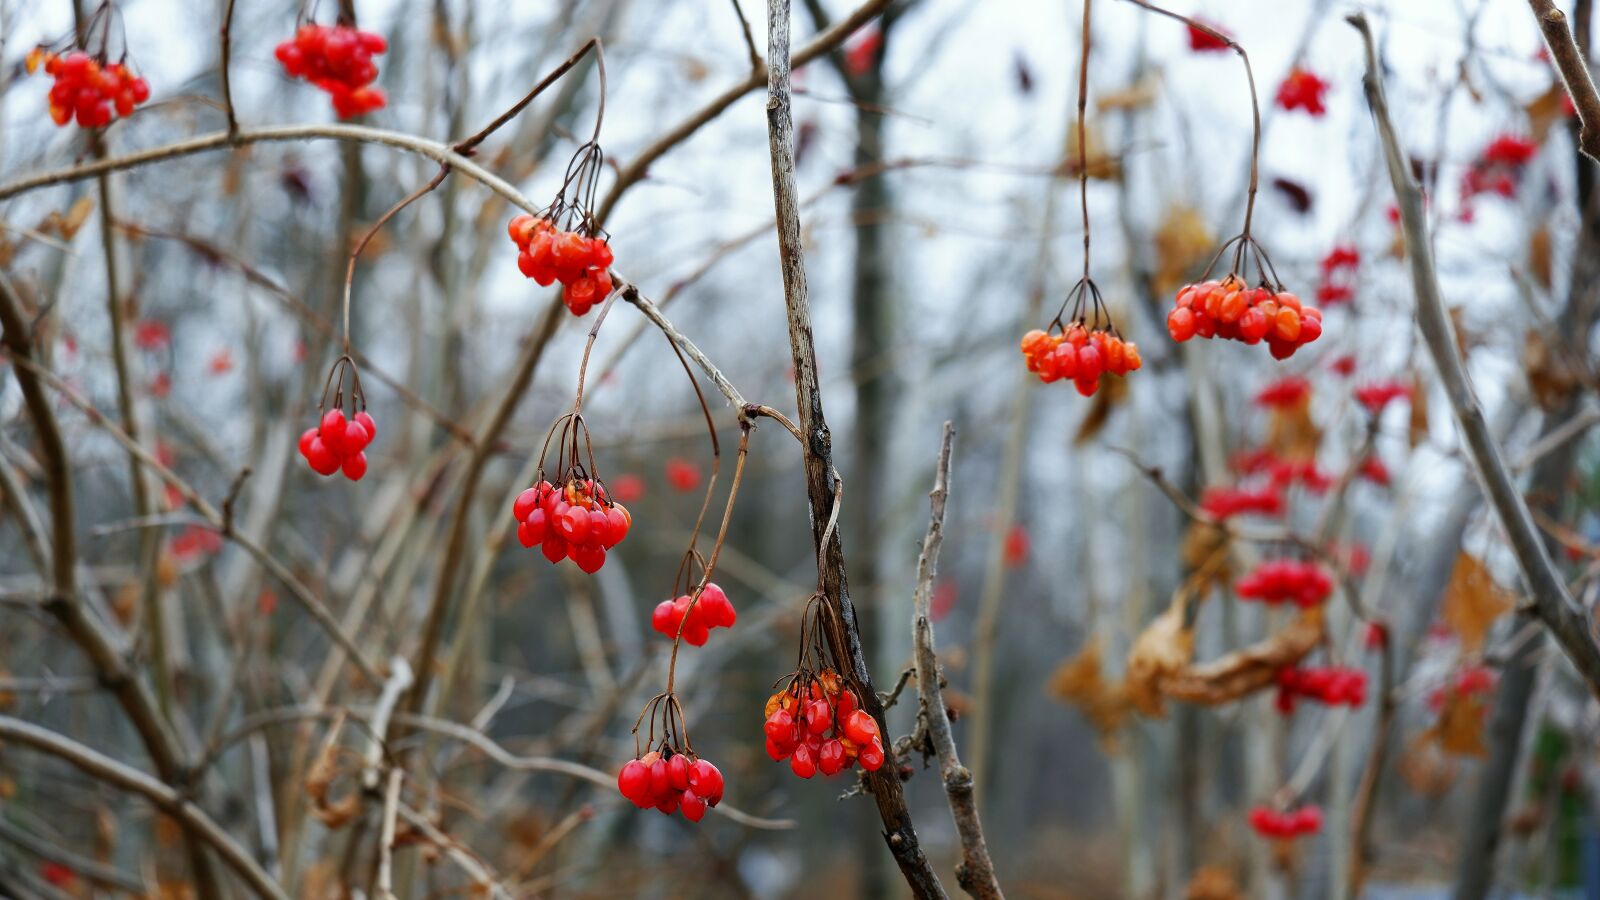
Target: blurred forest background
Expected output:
[195,303]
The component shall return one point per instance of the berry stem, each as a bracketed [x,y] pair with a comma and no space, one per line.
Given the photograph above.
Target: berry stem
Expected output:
[1255,103]
[716,548]
[350,268]
[1083,155]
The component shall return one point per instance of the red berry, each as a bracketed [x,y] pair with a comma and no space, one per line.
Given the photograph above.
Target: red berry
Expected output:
[706,781]
[554,548]
[322,460]
[355,466]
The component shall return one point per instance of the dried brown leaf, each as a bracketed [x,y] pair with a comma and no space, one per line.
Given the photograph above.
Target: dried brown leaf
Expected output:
[1459,730]
[1473,601]
[1291,434]
[1212,883]
[1550,376]
[1545,111]
[1161,650]
[1248,669]
[1539,255]
[1080,682]
[1112,394]
[1418,430]
[1183,243]
[1102,166]
[1135,96]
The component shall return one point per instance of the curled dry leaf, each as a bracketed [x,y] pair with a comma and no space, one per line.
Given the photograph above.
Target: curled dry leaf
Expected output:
[1248,669]
[1427,770]
[1212,883]
[1163,649]
[1135,96]
[1204,551]
[1459,730]
[319,783]
[1546,110]
[1473,601]
[1550,376]
[1112,394]
[1102,166]
[1291,433]
[1080,682]
[1183,244]
[1418,432]
[1539,255]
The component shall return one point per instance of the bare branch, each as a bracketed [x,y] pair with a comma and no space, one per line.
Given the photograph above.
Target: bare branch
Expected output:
[1574,69]
[1553,605]
[975,874]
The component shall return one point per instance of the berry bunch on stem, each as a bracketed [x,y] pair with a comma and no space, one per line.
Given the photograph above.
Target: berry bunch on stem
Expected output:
[565,242]
[1232,310]
[337,59]
[694,616]
[573,516]
[1084,347]
[668,776]
[87,86]
[815,720]
[1278,581]
[1286,825]
[337,443]
[1328,685]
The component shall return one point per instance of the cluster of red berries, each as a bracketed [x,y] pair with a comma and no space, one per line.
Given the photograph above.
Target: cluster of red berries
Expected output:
[695,619]
[1338,275]
[1281,473]
[671,782]
[1222,503]
[88,89]
[339,445]
[1303,89]
[581,263]
[1279,581]
[1498,169]
[1286,825]
[338,60]
[1332,685]
[1465,682]
[1229,309]
[1373,470]
[1379,395]
[824,731]
[576,520]
[1286,392]
[1201,40]
[1079,354]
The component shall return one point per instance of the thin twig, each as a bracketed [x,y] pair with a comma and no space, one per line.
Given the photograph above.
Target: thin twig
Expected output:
[975,873]
[97,765]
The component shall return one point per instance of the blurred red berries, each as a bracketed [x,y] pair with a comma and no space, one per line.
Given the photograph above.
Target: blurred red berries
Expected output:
[1285,825]
[86,88]
[682,475]
[338,60]
[1303,89]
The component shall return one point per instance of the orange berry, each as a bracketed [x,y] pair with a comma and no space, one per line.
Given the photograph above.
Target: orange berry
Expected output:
[1286,326]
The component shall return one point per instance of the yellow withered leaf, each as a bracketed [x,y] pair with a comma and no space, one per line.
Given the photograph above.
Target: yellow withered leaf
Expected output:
[1183,243]
[1473,602]
[1459,730]
[1101,166]
[1160,651]
[1080,682]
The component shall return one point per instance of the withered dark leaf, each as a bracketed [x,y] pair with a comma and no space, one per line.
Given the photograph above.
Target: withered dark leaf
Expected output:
[1297,195]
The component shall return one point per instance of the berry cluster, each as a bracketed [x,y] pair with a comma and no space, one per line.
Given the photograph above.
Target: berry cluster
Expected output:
[338,444]
[1079,354]
[88,89]
[1279,581]
[1286,392]
[1338,275]
[1303,89]
[1201,38]
[1498,169]
[694,618]
[671,782]
[576,520]
[1285,825]
[338,60]
[1380,394]
[1331,685]
[1222,502]
[1282,472]
[821,728]
[1229,309]
[581,263]
[1466,682]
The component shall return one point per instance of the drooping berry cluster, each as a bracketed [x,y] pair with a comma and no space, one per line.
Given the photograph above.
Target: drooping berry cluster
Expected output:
[671,782]
[1080,355]
[1498,169]
[87,88]
[1380,394]
[1282,473]
[1330,685]
[338,60]
[1303,89]
[580,262]
[1082,345]
[1232,310]
[820,727]
[1286,392]
[1285,825]
[339,445]
[1339,269]
[1279,581]
[694,618]
[576,520]
[574,515]
[1222,502]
